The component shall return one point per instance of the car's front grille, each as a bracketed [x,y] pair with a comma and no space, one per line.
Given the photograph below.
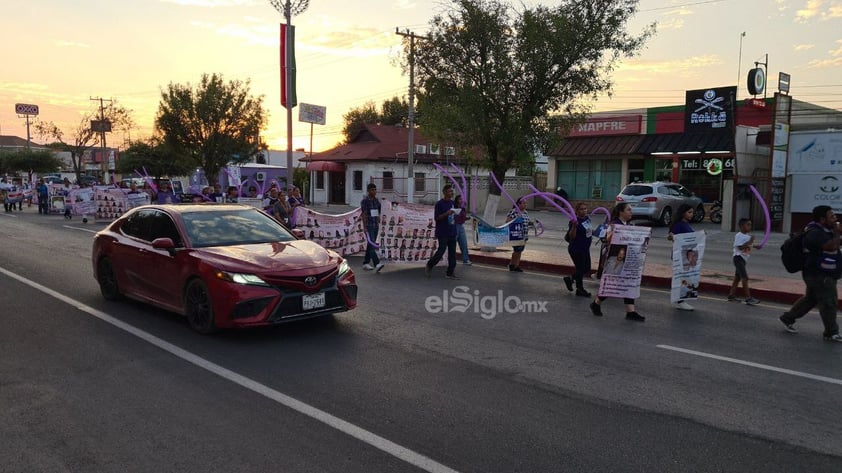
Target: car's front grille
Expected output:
[325,279]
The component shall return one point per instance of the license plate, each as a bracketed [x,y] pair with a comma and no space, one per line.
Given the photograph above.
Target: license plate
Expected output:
[313,301]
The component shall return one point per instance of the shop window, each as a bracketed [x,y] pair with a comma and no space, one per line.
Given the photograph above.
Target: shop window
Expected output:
[590,179]
[358,180]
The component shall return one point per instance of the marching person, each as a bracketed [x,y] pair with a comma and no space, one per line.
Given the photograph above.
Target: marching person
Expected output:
[445,218]
[679,226]
[742,251]
[517,251]
[820,273]
[370,207]
[461,236]
[621,214]
[579,236]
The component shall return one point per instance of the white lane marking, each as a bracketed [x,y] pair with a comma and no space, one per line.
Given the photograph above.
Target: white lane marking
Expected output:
[80,229]
[801,374]
[376,441]
[9,214]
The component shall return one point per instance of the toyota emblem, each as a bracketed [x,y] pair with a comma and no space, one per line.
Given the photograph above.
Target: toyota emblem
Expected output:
[310,280]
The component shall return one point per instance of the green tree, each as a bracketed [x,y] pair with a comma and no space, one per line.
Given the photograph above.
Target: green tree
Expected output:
[215,124]
[394,111]
[40,162]
[155,157]
[79,139]
[504,80]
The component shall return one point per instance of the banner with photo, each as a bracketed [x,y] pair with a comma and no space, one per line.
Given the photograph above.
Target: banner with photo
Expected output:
[137,199]
[341,233]
[623,267]
[81,201]
[111,203]
[687,252]
[407,233]
[507,234]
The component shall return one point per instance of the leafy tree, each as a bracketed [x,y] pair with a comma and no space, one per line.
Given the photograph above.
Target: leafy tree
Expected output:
[504,80]
[154,156]
[40,162]
[215,124]
[393,111]
[77,140]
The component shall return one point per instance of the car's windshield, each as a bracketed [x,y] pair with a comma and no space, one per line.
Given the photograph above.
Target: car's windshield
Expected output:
[637,189]
[232,227]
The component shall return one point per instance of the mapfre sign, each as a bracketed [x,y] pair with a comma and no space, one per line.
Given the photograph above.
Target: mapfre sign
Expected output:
[26,109]
[603,126]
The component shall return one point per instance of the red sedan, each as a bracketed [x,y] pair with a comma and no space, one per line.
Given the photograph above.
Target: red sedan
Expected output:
[221,266]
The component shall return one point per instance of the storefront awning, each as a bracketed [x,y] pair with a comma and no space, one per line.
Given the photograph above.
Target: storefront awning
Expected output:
[684,142]
[598,146]
[330,166]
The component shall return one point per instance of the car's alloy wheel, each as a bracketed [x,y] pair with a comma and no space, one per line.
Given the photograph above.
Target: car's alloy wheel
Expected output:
[198,307]
[666,217]
[107,281]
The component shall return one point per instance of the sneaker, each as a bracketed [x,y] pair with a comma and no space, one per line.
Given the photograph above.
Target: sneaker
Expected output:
[452,276]
[833,338]
[583,293]
[467,263]
[596,309]
[634,316]
[682,306]
[379,266]
[515,269]
[368,267]
[568,281]
[790,327]
[752,301]
[428,271]
[733,298]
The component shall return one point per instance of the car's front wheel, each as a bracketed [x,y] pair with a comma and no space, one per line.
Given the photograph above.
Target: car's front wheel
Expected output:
[107,280]
[198,307]
[666,217]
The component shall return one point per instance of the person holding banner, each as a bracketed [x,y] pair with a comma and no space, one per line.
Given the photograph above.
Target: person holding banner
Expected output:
[445,217]
[370,211]
[621,214]
[43,197]
[579,236]
[682,225]
[517,251]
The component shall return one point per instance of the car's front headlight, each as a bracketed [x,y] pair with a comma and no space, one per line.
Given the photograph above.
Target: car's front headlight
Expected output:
[344,268]
[241,278]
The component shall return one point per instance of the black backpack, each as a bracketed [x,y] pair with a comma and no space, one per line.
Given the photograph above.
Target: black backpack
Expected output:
[793,252]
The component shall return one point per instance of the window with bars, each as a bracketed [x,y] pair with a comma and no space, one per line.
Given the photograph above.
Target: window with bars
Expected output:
[358,180]
[320,180]
[420,182]
[388,181]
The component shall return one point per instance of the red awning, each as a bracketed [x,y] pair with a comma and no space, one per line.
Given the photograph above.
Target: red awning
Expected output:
[330,166]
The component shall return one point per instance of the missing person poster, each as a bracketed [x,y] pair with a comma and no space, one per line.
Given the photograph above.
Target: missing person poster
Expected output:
[623,269]
[407,233]
[687,252]
[341,233]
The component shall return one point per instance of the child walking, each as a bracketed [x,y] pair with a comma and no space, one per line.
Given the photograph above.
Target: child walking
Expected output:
[742,250]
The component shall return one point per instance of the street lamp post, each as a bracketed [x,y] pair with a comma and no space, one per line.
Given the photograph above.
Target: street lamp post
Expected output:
[289,8]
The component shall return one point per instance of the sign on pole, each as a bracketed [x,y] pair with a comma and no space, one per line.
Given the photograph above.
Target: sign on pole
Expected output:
[26,109]
[310,113]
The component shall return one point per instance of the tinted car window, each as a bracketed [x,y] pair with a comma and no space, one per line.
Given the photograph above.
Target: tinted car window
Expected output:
[637,190]
[232,227]
[139,224]
[683,191]
[162,226]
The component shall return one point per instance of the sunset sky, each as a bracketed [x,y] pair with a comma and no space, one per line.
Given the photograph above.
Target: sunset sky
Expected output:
[58,54]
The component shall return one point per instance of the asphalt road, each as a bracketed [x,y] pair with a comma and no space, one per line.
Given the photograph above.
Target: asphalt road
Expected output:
[398,385]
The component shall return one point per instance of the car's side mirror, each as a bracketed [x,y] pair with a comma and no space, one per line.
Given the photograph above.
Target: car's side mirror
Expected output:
[164,244]
[298,233]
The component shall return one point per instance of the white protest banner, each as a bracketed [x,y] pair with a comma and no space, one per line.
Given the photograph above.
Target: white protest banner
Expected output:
[623,267]
[687,252]
[407,233]
[342,233]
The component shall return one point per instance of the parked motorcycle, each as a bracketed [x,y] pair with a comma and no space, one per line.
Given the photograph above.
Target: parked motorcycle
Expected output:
[716,212]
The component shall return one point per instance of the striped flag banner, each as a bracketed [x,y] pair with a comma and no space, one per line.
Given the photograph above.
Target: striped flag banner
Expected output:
[288,66]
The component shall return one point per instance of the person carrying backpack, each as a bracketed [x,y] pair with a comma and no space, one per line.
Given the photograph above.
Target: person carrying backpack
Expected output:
[822,268]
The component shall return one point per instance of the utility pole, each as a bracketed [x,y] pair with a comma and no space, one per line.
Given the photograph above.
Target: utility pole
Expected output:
[410,181]
[102,126]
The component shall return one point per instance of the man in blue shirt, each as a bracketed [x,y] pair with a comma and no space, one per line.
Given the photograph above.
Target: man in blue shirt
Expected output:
[43,197]
[445,214]
[370,207]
